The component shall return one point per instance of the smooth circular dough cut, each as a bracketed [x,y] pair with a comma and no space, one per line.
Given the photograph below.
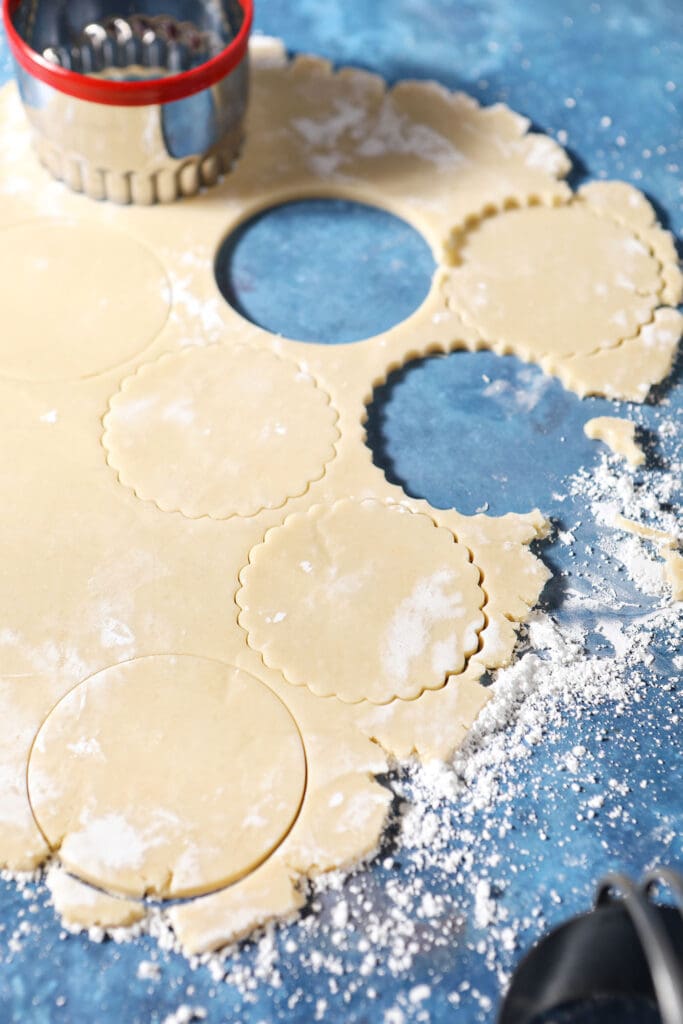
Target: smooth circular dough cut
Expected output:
[77,299]
[168,775]
[556,281]
[362,601]
[220,431]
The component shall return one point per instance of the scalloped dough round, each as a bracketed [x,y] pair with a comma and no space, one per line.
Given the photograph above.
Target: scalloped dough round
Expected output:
[554,282]
[168,775]
[220,431]
[362,601]
[77,299]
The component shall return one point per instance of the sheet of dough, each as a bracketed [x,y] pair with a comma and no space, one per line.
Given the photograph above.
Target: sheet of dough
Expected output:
[77,299]
[100,577]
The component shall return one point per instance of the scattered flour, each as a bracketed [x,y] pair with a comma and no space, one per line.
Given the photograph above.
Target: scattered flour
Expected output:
[186,1015]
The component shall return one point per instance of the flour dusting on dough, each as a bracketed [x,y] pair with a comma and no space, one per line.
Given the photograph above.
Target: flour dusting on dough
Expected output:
[410,630]
[107,842]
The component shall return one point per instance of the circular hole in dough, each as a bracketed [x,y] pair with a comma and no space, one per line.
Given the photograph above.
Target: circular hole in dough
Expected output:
[362,601]
[77,299]
[168,775]
[220,431]
[554,281]
[325,270]
[524,433]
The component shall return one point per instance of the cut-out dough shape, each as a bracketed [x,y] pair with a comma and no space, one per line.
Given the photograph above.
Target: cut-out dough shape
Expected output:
[219,431]
[619,435]
[564,281]
[168,775]
[77,299]
[362,601]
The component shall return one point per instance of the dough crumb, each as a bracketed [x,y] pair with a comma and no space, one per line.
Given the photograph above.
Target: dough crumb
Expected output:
[659,537]
[666,544]
[673,571]
[617,434]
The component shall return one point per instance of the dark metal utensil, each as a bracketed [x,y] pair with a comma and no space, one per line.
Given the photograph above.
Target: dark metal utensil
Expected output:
[627,946]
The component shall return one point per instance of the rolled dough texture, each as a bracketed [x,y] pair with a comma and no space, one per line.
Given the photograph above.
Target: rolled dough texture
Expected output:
[100,583]
[72,315]
[170,432]
[394,604]
[166,776]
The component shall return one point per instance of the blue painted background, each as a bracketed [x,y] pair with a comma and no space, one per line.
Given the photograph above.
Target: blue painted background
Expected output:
[610,76]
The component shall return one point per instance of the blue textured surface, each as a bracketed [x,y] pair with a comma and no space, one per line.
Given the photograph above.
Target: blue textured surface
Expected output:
[286,253]
[609,75]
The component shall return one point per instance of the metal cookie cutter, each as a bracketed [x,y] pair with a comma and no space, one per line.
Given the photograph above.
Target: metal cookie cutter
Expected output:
[627,946]
[140,101]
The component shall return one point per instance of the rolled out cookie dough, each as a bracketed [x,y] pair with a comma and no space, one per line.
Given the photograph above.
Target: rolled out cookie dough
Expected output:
[112,578]
[77,299]
[393,602]
[166,776]
[617,434]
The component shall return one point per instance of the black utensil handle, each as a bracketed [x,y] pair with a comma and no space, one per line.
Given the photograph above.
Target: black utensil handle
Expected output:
[665,970]
[661,876]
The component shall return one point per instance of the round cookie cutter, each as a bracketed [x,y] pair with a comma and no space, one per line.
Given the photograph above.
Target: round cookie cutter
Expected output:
[143,108]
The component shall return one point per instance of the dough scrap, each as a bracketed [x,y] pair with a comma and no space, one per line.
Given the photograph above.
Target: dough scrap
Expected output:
[673,572]
[78,299]
[619,435]
[112,578]
[629,370]
[187,794]
[393,602]
[175,440]
[658,537]
[82,906]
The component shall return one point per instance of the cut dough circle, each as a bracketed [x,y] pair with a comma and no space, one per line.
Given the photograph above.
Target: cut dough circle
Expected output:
[363,601]
[178,438]
[77,299]
[169,775]
[559,280]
